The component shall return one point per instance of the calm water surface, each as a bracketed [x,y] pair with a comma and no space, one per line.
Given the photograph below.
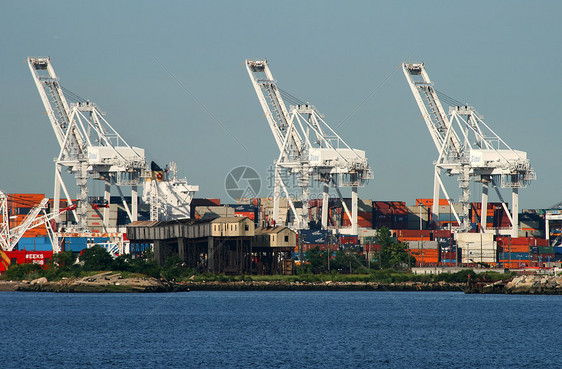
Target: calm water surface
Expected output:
[279,330]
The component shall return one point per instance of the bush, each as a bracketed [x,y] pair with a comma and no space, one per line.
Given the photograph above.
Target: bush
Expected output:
[144,265]
[495,276]
[172,268]
[22,271]
[458,277]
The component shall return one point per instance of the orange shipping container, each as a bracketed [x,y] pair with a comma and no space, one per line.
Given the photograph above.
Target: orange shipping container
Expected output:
[510,264]
[425,252]
[364,220]
[515,248]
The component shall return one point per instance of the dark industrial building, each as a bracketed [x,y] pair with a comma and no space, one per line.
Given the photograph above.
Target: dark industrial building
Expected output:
[228,245]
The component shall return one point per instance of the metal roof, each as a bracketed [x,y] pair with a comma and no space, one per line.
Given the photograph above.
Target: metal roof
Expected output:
[266,230]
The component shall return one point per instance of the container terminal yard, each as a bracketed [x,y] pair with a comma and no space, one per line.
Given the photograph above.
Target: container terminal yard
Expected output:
[310,207]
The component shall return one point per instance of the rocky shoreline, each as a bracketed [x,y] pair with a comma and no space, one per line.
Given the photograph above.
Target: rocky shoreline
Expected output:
[102,282]
[115,282]
[534,284]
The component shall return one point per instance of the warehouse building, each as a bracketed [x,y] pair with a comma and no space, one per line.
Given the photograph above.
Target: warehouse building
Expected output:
[223,245]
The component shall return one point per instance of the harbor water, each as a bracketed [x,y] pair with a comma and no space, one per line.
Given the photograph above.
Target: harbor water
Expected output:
[279,330]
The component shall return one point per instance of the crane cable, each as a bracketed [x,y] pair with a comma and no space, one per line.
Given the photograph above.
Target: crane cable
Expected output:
[72,96]
[290,98]
[449,100]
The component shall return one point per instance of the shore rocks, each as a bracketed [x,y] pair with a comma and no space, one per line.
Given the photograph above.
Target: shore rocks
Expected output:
[103,282]
[535,284]
[41,280]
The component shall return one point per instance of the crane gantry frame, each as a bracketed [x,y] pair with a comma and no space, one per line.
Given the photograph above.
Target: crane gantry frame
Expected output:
[468,148]
[308,149]
[89,146]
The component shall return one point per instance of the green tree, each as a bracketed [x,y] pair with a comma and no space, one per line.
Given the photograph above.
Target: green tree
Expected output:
[346,262]
[63,264]
[122,263]
[318,260]
[393,254]
[96,258]
[63,260]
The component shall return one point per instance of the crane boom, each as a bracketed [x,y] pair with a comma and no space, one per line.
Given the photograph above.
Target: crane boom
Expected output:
[432,110]
[273,105]
[59,112]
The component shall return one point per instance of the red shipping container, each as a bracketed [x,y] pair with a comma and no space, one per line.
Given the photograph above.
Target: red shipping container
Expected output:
[388,204]
[315,203]
[344,240]
[322,247]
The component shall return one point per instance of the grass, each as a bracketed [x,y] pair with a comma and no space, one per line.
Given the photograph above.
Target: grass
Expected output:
[383,276]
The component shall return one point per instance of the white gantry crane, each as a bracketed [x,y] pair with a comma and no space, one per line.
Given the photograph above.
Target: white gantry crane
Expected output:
[469,149]
[10,236]
[308,149]
[89,146]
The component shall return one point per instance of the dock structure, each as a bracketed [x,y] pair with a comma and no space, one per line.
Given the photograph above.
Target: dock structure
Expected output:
[230,245]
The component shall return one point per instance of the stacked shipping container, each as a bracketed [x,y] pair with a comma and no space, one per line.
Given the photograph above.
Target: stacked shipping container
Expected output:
[524,251]
[390,214]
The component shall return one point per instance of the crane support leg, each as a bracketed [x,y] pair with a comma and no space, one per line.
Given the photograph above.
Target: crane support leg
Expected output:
[58,179]
[124,203]
[298,219]
[276,194]
[464,185]
[515,212]
[325,205]
[134,204]
[354,210]
[56,193]
[107,201]
[484,208]
[435,207]
[345,208]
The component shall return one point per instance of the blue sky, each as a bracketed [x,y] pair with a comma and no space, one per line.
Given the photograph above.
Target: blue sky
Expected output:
[132,59]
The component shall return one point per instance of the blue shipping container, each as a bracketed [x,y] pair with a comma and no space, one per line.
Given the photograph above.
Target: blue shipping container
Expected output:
[35,244]
[514,256]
